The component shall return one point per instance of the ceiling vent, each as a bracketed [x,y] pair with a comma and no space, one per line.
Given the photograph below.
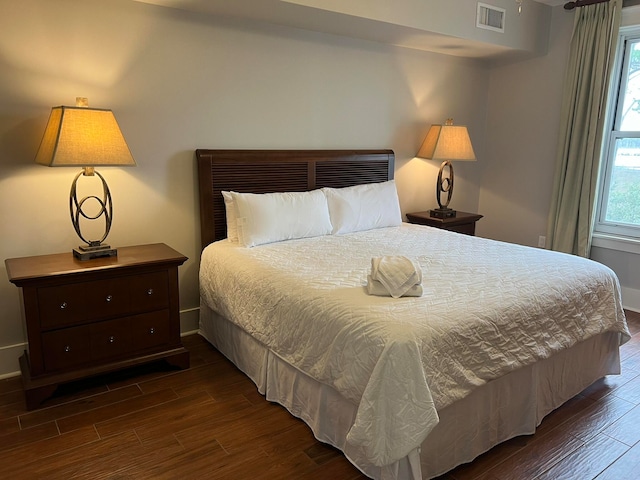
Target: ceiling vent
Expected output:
[490,17]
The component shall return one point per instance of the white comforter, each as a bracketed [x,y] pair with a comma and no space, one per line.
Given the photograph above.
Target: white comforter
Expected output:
[488,308]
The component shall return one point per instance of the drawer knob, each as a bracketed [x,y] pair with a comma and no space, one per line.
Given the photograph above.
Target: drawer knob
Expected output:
[67,349]
[152,331]
[112,339]
[150,291]
[63,305]
[109,298]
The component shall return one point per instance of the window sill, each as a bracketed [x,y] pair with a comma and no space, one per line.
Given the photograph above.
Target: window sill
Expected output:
[616,242]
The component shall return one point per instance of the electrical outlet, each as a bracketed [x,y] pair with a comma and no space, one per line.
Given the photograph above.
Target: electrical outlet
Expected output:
[542,241]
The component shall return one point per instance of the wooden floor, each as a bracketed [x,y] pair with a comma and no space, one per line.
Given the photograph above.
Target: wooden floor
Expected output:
[209,422]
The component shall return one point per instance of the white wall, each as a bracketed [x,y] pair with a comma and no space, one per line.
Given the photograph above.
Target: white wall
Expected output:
[177,82]
[522,133]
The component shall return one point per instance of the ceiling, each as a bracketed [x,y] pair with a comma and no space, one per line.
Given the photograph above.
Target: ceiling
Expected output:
[306,14]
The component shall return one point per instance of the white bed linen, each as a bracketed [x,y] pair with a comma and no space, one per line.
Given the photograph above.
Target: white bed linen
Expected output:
[488,308]
[504,408]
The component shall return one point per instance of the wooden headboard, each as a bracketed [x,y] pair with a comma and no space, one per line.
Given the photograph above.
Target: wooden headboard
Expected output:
[266,171]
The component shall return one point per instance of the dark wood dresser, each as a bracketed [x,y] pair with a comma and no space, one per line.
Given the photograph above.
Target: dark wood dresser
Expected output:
[85,318]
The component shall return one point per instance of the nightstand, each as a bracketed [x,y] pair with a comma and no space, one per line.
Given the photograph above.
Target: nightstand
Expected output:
[463,222]
[85,318]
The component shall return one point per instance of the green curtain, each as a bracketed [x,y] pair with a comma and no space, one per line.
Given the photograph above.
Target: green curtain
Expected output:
[591,58]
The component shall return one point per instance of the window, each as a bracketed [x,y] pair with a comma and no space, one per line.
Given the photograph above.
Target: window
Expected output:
[619,200]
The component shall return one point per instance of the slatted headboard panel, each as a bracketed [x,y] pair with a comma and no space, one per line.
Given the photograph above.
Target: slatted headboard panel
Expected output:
[266,171]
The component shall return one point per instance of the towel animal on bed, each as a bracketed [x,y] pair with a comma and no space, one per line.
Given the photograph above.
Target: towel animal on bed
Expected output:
[395,276]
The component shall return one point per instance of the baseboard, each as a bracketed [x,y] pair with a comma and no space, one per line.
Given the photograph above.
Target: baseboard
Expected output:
[631,299]
[9,354]
[189,320]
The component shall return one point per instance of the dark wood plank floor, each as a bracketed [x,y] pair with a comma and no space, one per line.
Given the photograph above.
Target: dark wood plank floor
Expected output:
[209,422]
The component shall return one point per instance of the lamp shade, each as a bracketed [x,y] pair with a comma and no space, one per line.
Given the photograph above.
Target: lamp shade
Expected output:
[82,136]
[447,142]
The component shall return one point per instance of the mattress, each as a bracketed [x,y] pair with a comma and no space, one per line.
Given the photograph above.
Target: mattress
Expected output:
[488,309]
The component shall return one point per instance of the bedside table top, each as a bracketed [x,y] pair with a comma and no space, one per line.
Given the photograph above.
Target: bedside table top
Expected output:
[21,270]
[459,219]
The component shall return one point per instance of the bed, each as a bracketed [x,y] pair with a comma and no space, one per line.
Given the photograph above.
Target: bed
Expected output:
[406,388]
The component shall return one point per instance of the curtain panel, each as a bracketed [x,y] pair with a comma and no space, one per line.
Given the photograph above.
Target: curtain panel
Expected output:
[586,85]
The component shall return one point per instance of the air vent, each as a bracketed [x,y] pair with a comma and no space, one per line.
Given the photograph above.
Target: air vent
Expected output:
[490,17]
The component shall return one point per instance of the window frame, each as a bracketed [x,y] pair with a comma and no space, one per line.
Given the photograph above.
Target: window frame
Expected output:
[612,133]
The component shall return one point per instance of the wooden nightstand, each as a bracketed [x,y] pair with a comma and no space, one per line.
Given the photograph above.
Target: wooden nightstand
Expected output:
[463,222]
[85,318]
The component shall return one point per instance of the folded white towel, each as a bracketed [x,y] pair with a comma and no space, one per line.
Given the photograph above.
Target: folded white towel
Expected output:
[396,273]
[376,288]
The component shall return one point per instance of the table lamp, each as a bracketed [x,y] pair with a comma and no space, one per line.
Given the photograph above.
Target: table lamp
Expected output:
[85,137]
[446,142]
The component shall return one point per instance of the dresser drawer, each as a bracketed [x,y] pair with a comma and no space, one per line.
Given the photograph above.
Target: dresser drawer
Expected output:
[110,339]
[66,348]
[79,346]
[79,302]
[149,291]
[150,329]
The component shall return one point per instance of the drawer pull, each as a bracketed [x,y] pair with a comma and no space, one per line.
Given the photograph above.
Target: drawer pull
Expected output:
[109,298]
[63,305]
[67,349]
[150,291]
[152,331]
[112,339]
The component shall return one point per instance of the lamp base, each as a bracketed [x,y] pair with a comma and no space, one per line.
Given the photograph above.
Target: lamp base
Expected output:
[442,212]
[96,251]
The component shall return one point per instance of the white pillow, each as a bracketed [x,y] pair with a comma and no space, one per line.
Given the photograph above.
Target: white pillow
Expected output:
[363,207]
[273,217]
[230,209]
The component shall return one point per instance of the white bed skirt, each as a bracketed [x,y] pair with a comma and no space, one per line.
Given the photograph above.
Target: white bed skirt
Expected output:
[502,409]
